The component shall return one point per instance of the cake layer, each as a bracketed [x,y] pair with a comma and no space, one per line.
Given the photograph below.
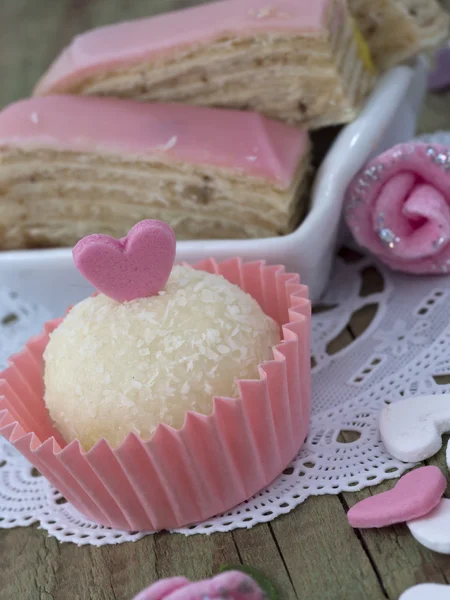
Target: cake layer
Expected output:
[234,140]
[70,166]
[295,60]
[399,29]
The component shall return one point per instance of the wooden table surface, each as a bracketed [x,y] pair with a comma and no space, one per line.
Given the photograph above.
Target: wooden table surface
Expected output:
[312,553]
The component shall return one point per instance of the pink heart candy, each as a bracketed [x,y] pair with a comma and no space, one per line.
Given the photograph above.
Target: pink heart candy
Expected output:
[136,266]
[416,494]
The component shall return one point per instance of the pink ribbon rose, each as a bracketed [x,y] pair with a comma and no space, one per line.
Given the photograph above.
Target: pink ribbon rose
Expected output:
[398,207]
[232,585]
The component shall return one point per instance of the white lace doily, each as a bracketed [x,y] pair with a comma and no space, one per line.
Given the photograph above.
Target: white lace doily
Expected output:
[402,352]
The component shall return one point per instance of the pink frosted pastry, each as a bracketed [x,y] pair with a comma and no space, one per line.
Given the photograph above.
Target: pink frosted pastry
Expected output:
[173,398]
[231,586]
[73,165]
[301,61]
[398,207]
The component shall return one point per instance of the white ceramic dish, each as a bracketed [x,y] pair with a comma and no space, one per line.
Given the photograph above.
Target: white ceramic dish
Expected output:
[48,277]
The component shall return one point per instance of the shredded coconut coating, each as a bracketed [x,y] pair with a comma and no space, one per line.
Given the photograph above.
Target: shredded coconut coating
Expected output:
[112,368]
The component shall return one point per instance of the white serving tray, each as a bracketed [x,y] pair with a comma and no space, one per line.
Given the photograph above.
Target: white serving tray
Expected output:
[48,277]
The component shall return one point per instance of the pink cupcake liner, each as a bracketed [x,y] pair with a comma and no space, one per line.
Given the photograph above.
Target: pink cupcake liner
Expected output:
[213,462]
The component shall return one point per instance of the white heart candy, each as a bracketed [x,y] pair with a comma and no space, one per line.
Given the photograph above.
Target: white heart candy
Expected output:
[411,429]
[433,530]
[427,591]
[447,455]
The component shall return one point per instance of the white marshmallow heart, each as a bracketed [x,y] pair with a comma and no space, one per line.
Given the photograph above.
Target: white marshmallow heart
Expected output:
[411,429]
[433,530]
[447,455]
[427,591]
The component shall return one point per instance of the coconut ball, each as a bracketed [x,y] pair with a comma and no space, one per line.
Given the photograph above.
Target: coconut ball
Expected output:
[113,368]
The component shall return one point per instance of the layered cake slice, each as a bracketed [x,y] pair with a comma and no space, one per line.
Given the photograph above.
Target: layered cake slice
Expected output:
[71,165]
[398,29]
[300,61]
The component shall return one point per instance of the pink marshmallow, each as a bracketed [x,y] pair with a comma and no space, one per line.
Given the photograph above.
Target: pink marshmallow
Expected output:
[398,207]
[415,495]
[162,589]
[232,585]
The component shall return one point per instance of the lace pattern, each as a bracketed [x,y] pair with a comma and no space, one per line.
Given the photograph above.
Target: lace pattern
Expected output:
[402,352]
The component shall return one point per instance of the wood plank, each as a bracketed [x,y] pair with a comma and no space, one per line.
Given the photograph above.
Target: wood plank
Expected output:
[32,33]
[257,547]
[104,13]
[38,567]
[323,555]
[195,557]
[27,564]
[35,566]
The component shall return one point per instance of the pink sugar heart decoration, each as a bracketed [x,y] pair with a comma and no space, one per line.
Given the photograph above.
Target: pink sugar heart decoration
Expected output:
[137,266]
[416,494]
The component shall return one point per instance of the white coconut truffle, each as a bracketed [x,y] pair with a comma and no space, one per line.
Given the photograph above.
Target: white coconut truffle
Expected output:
[113,368]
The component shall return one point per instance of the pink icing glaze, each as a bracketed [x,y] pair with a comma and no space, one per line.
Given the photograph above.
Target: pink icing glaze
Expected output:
[137,266]
[130,42]
[415,495]
[235,140]
[232,585]
[398,207]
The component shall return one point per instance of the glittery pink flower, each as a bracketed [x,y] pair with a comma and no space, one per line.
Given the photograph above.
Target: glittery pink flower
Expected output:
[398,207]
[232,585]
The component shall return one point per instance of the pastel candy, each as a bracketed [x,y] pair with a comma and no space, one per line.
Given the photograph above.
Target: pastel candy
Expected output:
[398,207]
[416,494]
[427,591]
[433,530]
[411,429]
[136,266]
[232,585]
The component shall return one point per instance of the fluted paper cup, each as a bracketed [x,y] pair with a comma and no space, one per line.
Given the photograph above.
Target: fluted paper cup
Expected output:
[207,467]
